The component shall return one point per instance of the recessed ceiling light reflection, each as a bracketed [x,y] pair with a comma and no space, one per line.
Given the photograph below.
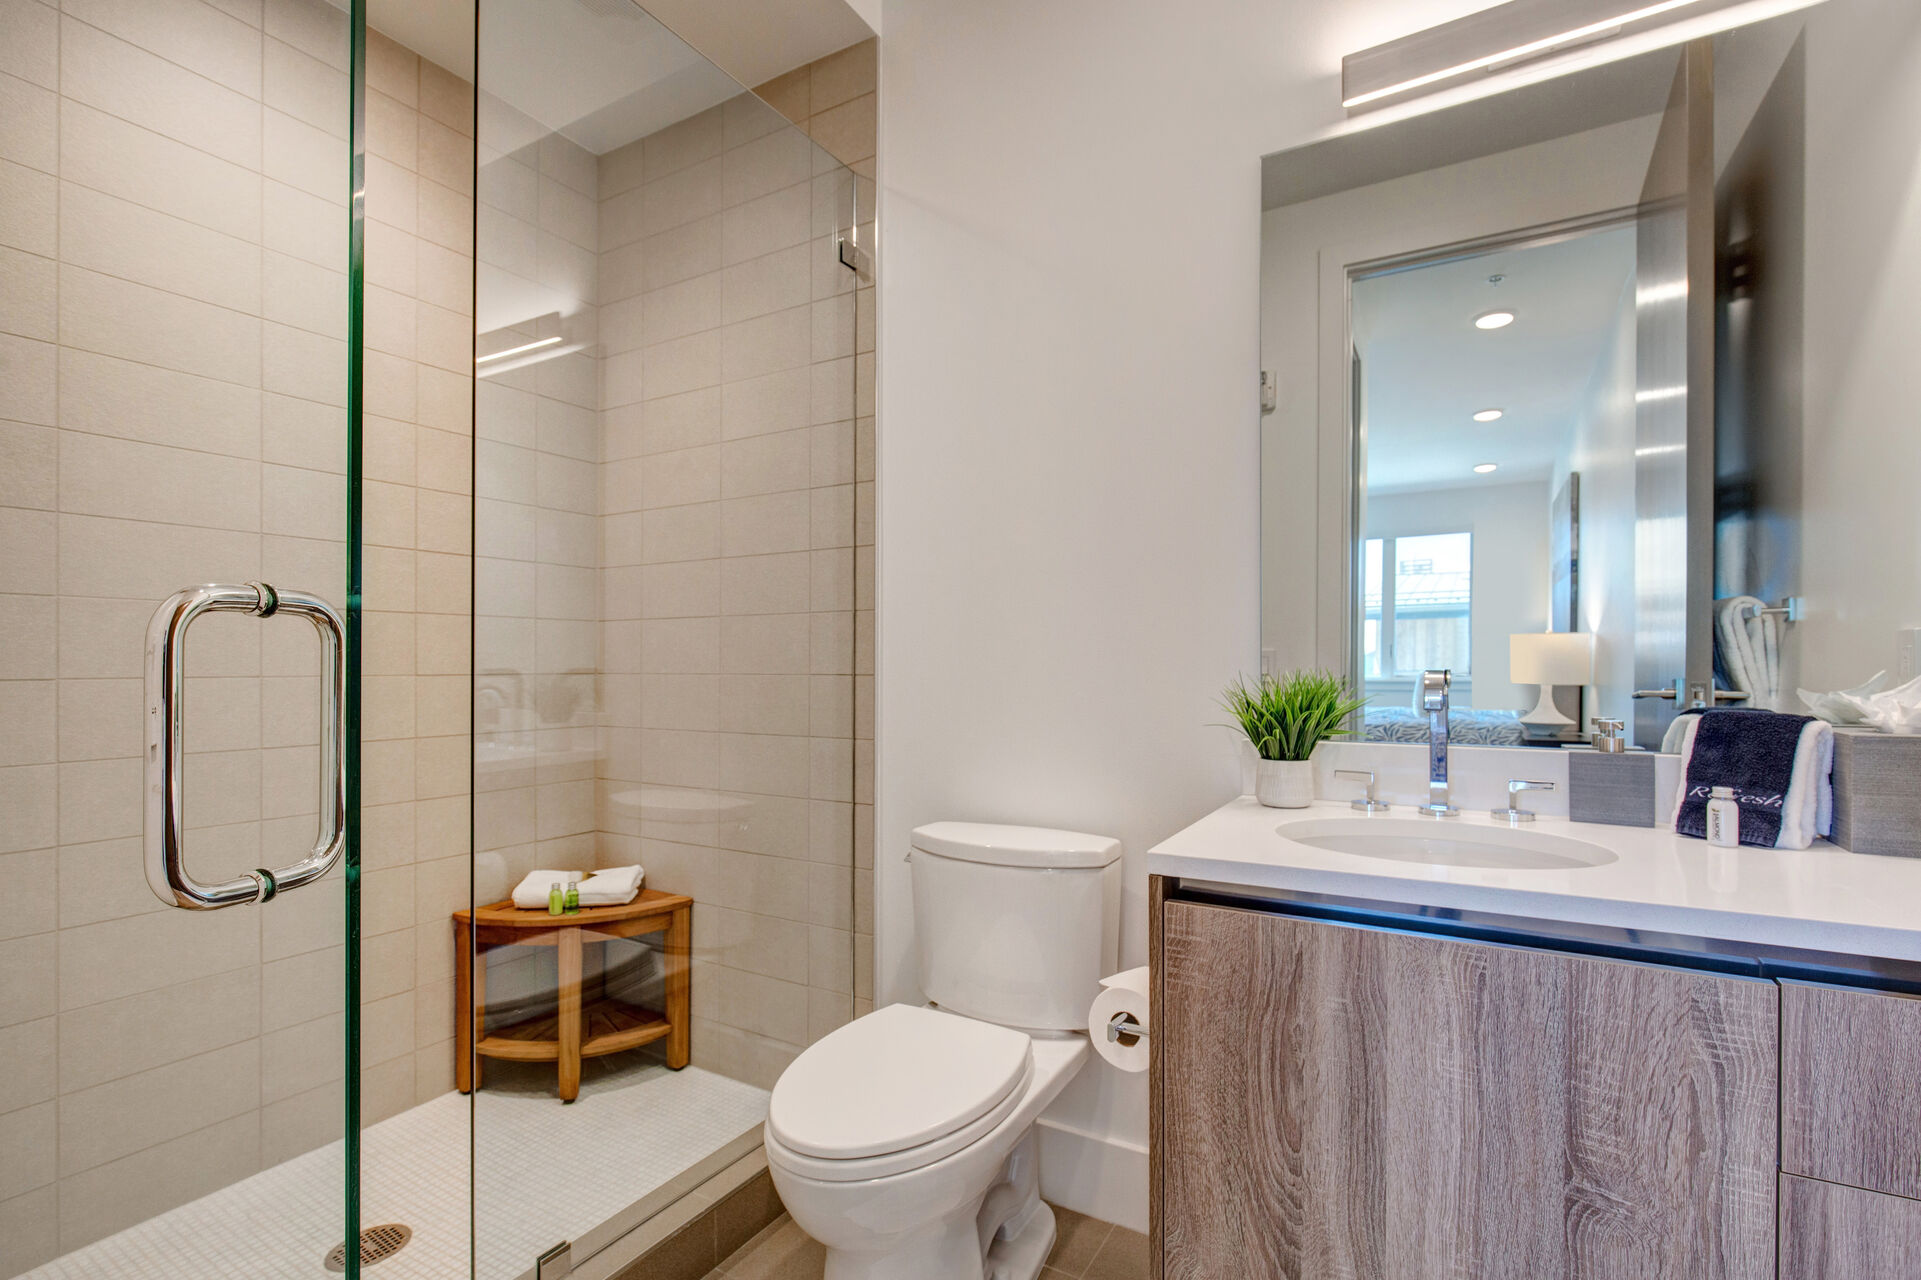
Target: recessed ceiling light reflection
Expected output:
[1484,468]
[1494,320]
[1488,415]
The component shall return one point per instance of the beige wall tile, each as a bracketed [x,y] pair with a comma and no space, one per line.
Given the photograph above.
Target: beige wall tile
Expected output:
[28,1135]
[28,209]
[393,69]
[30,42]
[116,317]
[29,111]
[844,75]
[27,295]
[772,222]
[27,392]
[122,79]
[692,140]
[29,1230]
[28,465]
[107,1198]
[30,877]
[447,98]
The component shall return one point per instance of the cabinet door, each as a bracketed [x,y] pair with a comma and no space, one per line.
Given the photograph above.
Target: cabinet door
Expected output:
[1371,1105]
[1844,1233]
[1851,1087]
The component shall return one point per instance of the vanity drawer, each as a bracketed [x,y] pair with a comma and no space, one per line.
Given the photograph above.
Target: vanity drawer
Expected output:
[1845,1233]
[1851,1087]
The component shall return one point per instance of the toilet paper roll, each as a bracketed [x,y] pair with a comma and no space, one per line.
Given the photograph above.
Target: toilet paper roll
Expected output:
[1122,993]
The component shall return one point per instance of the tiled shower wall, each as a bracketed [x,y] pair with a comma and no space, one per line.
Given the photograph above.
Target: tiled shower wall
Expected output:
[172,376]
[732,468]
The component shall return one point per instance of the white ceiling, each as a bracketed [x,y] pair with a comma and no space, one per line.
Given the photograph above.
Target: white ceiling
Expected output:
[1428,370]
[604,72]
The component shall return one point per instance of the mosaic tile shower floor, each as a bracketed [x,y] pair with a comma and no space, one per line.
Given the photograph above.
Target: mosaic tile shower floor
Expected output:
[546,1173]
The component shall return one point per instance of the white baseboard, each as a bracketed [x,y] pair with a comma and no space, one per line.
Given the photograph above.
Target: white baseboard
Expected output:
[1102,1177]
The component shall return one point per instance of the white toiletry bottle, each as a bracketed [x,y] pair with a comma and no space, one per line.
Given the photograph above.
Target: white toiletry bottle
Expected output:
[1724,818]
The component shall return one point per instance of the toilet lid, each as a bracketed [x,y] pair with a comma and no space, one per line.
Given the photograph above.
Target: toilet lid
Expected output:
[897,1078]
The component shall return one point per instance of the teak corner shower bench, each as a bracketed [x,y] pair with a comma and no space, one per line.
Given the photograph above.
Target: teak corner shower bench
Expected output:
[575,1030]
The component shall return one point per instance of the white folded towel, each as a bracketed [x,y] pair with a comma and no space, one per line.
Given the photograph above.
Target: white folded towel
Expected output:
[531,893]
[611,886]
[608,887]
[1807,810]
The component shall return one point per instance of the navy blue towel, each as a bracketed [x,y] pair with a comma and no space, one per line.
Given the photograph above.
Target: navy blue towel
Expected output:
[1751,752]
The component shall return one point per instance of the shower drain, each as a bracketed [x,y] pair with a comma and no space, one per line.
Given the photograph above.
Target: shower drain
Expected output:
[377,1244]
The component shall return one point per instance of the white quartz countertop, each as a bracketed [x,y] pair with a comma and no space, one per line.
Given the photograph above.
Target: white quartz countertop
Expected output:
[1818,899]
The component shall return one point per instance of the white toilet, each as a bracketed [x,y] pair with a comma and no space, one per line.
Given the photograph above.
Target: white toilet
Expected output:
[904,1141]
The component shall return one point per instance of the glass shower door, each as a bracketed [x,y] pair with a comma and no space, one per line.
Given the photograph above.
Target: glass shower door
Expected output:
[667,458]
[180,1072]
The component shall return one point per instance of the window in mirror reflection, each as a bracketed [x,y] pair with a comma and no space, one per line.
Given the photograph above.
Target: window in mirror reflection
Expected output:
[1418,617]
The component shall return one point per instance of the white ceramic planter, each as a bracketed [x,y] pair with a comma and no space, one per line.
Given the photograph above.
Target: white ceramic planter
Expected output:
[1284,784]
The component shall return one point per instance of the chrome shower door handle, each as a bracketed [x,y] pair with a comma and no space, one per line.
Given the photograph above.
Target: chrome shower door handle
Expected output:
[166,690]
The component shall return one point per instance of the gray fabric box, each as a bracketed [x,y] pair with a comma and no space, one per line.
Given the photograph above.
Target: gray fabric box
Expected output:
[1616,787]
[1877,793]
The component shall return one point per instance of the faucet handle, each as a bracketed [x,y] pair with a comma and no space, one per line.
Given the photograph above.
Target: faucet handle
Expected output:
[1435,686]
[1367,803]
[1514,813]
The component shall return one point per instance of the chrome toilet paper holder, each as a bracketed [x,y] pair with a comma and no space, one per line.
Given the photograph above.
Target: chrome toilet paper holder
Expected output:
[1124,1024]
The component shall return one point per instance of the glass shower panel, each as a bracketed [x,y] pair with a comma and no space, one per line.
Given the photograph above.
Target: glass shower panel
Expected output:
[665,621]
[174,385]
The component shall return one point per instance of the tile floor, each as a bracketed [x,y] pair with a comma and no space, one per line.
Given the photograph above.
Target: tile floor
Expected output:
[1086,1250]
[545,1172]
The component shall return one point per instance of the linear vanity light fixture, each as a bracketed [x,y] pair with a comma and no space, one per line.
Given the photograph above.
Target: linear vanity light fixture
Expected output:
[1498,38]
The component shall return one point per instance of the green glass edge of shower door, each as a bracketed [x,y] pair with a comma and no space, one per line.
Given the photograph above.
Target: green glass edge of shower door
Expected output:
[356,330]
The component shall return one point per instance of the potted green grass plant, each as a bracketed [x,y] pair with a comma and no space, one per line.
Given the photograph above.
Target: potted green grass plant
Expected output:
[1285,717]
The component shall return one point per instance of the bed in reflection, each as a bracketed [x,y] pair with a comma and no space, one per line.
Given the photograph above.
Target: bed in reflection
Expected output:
[1466,726]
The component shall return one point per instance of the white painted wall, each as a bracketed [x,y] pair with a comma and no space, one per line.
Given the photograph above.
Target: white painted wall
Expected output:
[1069,456]
[1510,527]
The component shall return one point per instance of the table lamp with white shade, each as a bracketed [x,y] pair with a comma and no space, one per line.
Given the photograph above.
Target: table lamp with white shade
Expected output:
[1550,658]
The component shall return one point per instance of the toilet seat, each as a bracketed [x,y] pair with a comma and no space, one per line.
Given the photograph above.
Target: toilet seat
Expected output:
[895,1090]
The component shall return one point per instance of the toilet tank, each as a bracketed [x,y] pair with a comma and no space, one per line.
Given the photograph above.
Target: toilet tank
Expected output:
[1016,925]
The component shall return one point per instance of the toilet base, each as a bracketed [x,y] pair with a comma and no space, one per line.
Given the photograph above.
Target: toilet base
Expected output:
[1008,1237]
[1021,1256]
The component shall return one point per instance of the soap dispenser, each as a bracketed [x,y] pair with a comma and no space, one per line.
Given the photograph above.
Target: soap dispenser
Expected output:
[1611,783]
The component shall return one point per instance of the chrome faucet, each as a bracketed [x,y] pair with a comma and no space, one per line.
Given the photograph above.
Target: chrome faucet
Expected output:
[1434,691]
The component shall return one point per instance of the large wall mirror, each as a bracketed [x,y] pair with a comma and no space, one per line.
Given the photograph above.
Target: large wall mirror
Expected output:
[1604,393]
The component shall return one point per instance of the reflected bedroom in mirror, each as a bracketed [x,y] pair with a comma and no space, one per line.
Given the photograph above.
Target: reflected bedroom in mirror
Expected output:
[1599,393]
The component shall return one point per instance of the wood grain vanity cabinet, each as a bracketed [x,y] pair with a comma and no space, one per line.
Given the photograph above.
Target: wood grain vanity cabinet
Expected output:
[1334,1101]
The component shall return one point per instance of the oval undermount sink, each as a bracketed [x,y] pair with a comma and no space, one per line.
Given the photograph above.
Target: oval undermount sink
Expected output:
[1446,842]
